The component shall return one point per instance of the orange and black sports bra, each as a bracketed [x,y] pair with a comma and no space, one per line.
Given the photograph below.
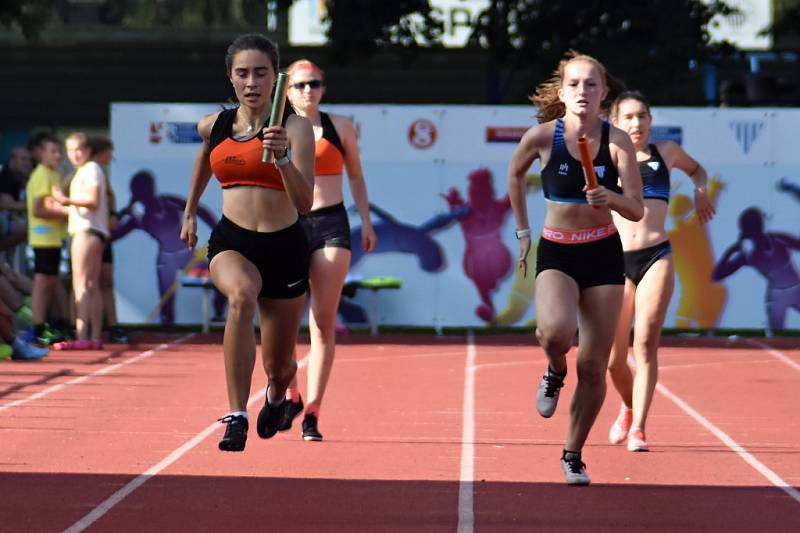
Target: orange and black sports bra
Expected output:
[239,162]
[328,151]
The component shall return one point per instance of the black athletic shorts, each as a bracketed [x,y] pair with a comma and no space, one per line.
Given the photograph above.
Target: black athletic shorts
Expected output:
[589,264]
[46,261]
[108,254]
[280,256]
[327,227]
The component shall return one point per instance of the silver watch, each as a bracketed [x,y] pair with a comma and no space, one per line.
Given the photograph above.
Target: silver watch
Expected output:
[283,161]
[522,233]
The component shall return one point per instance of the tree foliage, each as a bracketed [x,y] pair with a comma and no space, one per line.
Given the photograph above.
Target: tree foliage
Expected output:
[29,17]
[646,44]
[361,26]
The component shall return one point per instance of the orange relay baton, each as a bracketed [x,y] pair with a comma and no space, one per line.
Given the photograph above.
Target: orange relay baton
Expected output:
[276,113]
[586,163]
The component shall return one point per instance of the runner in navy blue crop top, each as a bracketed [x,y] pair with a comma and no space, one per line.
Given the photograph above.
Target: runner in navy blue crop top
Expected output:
[655,176]
[649,268]
[563,179]
[579,264]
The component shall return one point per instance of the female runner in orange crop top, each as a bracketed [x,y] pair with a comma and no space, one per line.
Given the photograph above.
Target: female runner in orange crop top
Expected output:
[258,251]
[328,231]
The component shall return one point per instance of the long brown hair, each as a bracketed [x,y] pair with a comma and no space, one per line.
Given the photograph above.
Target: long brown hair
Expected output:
[545,98]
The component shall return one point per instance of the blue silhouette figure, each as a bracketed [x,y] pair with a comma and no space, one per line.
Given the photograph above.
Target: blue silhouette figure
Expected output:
[770,253]
[160,216]
[793,189]
[396,236]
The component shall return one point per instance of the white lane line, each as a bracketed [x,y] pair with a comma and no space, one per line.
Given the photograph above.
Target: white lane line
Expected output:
[780,356]
[100,372]
[466,517]
[734,446]
[106,505]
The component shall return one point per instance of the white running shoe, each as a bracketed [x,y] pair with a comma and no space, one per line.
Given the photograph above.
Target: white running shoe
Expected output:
[637,442]
[619,429]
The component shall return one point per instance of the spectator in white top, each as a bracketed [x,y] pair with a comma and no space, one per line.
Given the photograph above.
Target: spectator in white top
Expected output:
[88,229]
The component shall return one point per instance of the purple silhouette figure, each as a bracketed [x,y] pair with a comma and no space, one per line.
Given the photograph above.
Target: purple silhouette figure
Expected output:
[487,260]
[770,253]
[161,217]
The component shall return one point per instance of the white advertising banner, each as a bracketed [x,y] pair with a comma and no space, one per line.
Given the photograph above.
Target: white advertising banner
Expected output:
[436,177]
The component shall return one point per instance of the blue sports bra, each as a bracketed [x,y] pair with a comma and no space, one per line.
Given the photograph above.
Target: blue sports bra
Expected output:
[562,177]
[655,176]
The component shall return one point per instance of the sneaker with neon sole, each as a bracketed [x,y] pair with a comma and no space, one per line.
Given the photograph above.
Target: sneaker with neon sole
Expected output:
[637,441]
[619,429]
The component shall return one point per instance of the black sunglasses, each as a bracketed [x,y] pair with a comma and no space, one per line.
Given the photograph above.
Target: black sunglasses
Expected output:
[313,84]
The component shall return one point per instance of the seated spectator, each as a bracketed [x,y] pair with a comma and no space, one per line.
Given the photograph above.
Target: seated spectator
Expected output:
[13,177]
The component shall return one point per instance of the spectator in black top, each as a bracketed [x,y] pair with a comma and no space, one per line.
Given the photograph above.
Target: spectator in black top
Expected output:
[13,177]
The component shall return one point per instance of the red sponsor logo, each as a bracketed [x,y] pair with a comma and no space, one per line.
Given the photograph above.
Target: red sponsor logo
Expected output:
[504,134]
[156,129]
[422,133]
[233,160]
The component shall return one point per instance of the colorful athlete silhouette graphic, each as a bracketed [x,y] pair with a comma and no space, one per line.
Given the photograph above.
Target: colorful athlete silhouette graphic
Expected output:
[398,237]
[486,260]
[160,217]
[770,253]
[793,189]
[523,288]
[701,300]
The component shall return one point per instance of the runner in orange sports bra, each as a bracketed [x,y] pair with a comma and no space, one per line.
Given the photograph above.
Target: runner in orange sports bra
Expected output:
[258,252]
[328,231]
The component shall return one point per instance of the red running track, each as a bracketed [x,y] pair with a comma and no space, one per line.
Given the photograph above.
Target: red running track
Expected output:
[421,434]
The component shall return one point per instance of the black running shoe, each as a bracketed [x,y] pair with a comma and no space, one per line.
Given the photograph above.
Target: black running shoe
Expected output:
[270,418]
[310,431]
[117,335]
[235,433]
[291,412]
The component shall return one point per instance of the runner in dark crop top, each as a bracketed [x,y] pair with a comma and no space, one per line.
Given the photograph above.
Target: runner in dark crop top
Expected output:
[563,179]
[655,176]
[649,268]
[579,265]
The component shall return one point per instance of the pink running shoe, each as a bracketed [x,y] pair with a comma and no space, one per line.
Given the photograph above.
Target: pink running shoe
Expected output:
[78,345]
[619,429]
[637,442]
